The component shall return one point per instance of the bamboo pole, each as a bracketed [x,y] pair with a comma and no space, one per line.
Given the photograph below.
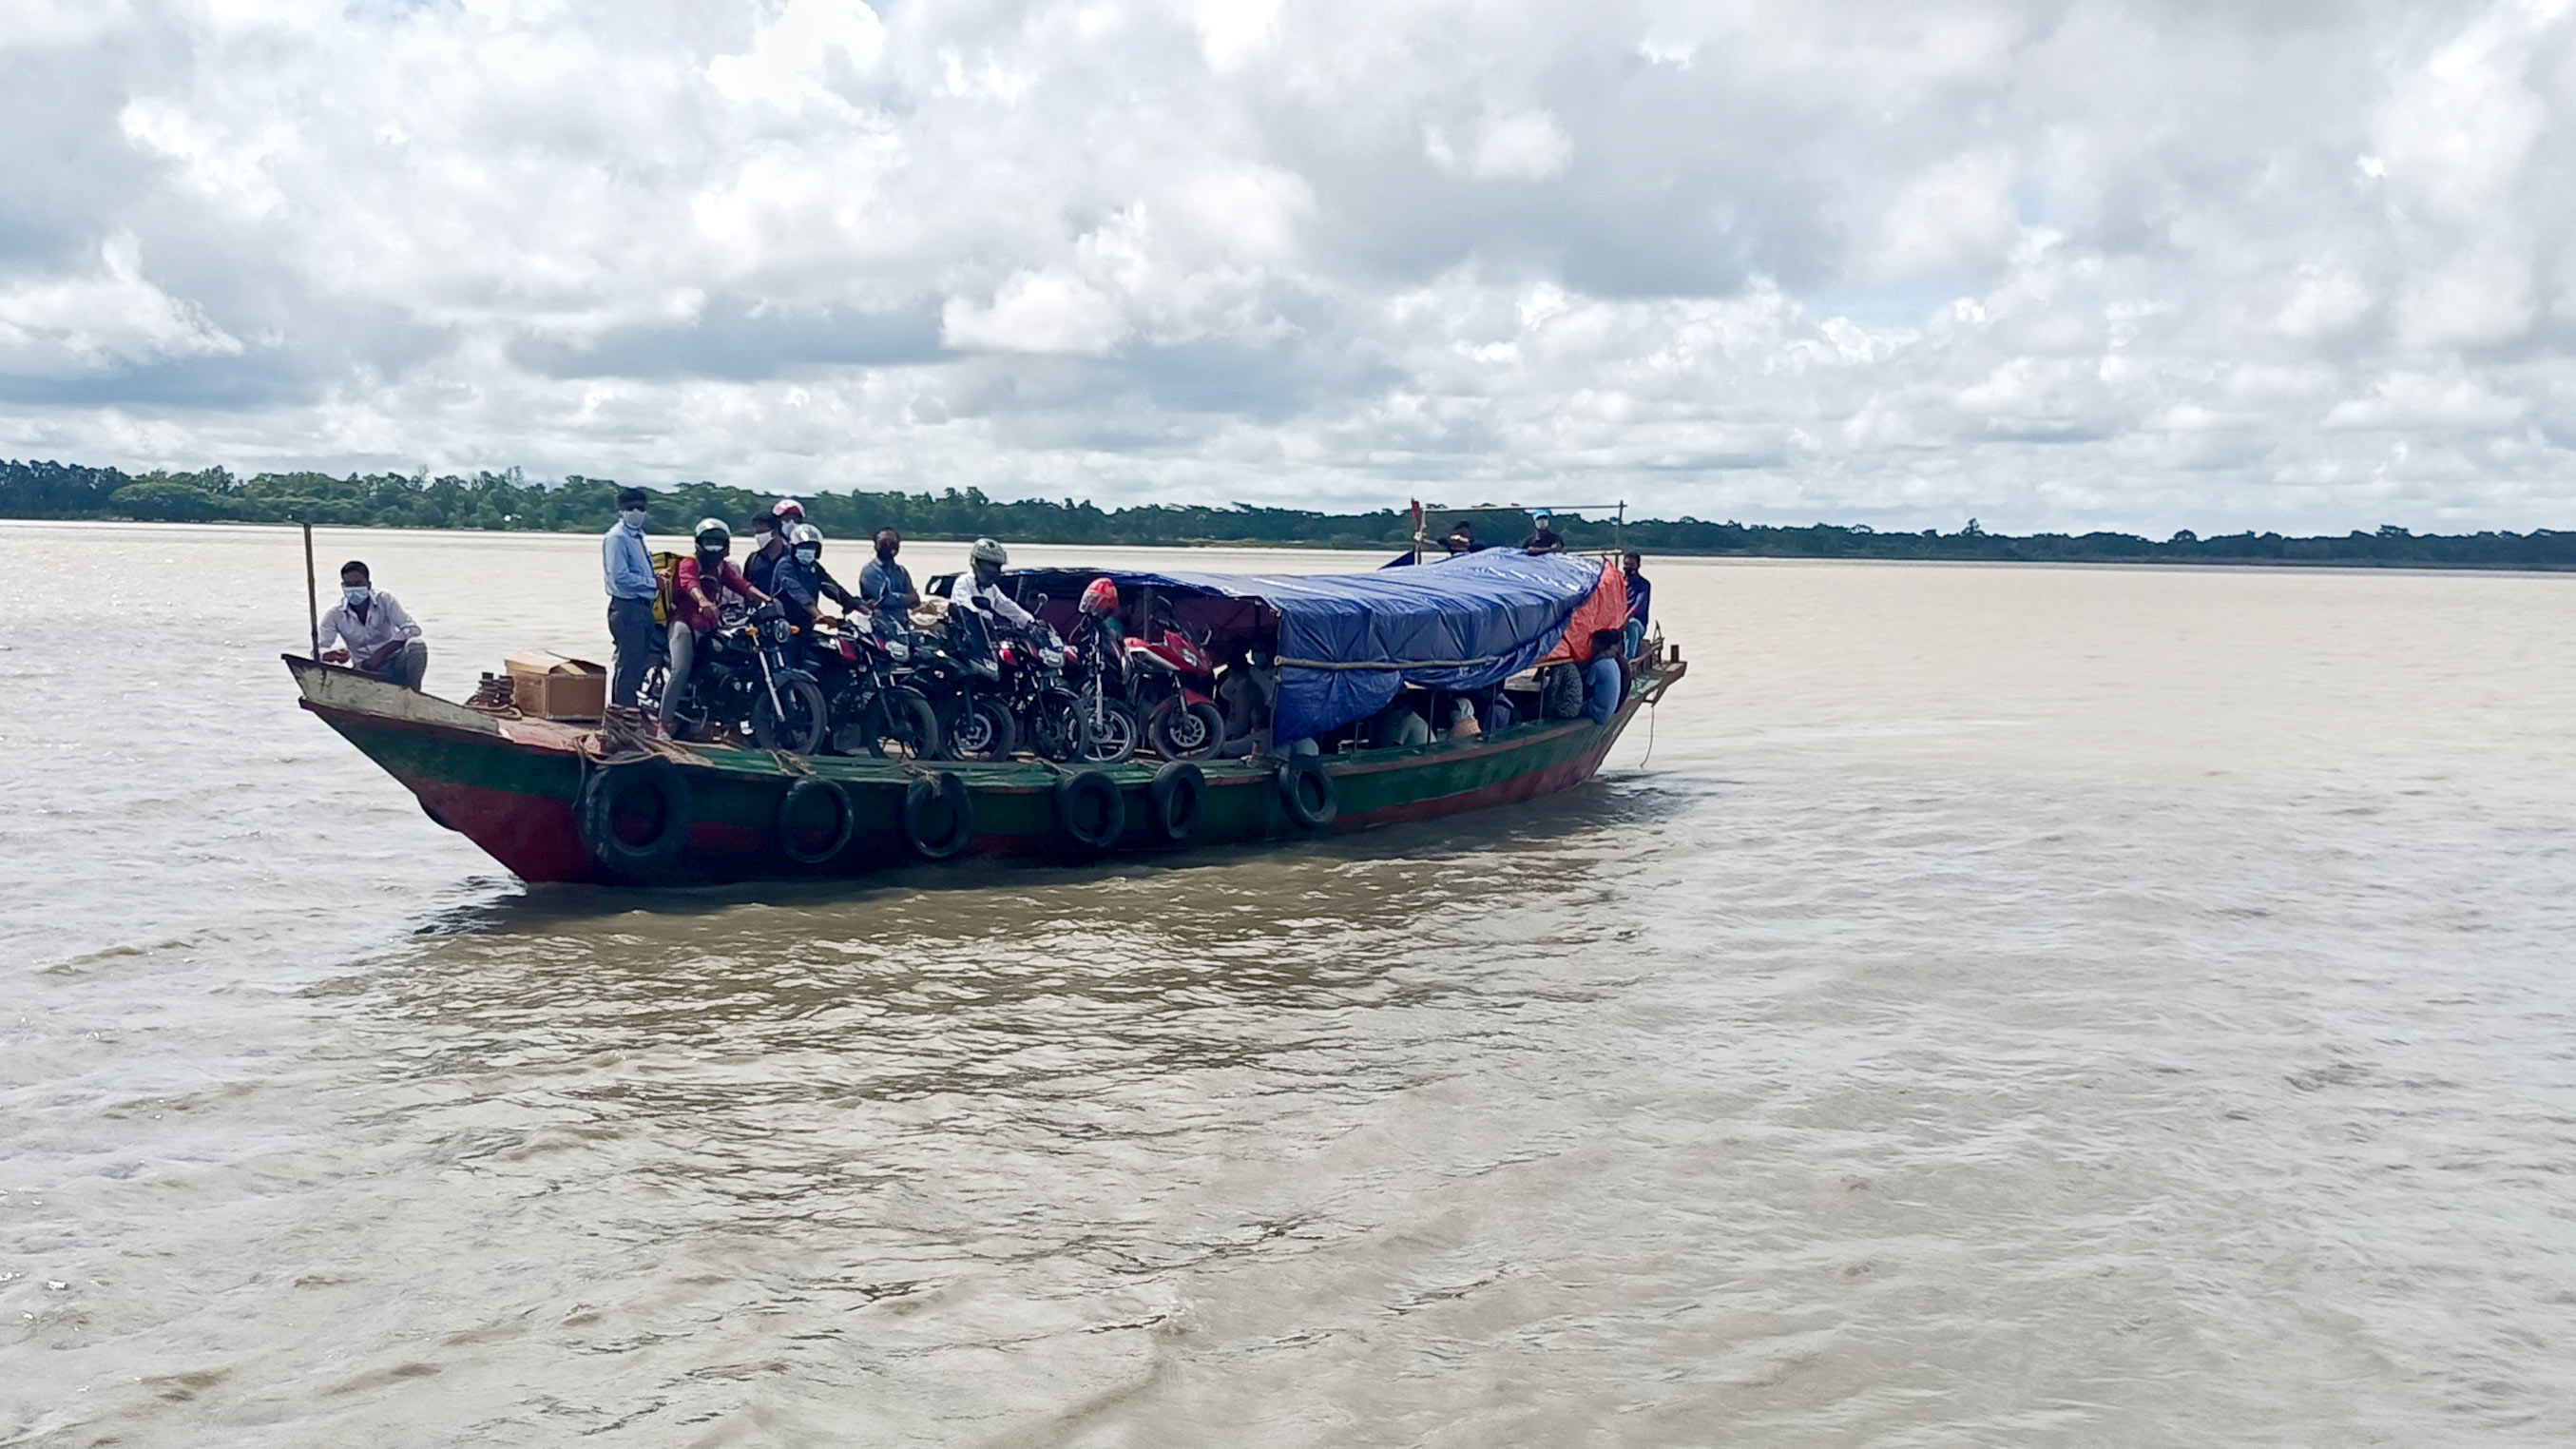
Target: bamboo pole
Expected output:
[312,595]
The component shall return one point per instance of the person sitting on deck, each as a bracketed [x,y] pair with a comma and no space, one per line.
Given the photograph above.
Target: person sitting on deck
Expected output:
[1399,724]
[1247,692]
[801,583]
[769,540]
[982,586]
[1639,593]
[1545,540]
[1462,539]
[1560,691]
[1605,679]
[885,584]
[381,639]
[700,585]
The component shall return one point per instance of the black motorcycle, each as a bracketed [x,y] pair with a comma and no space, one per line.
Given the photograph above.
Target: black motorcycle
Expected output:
[1033,664]
[1096,671]
[745,682]
[960,673]
[864,670]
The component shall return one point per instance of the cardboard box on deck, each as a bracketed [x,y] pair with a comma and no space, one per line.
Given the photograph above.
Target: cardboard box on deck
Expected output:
[549,686]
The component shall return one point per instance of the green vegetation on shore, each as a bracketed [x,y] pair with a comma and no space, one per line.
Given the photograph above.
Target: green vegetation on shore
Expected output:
[577,504]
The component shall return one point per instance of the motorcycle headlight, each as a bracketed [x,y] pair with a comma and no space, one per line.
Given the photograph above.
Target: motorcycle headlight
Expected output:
[897,649]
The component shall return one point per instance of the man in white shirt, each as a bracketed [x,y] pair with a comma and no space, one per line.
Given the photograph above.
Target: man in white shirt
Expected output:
[982,585]
[378,638]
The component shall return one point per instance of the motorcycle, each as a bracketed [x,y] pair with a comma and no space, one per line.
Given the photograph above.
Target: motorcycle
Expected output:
[1033,663]
[864,669]
[745,679]
[1171,685]
[1107,730]
[960,673]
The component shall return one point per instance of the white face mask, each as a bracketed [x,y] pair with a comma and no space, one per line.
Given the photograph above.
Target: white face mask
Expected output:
[763,538]
[633,518]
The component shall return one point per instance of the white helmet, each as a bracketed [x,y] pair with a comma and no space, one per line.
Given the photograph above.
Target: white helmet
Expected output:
[801,533]
[987,551]
[712,536]
[787,510]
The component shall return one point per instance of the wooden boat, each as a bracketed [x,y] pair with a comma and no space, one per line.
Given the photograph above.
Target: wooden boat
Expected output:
[519,787]
[607,803]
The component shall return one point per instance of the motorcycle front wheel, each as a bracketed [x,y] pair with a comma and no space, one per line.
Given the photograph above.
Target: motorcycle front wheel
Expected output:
[902,726]
[1055,725]
[1109,731]
[1185,731]
[983,730]
[800,729]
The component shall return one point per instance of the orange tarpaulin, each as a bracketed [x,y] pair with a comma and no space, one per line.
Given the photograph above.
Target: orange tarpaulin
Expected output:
[1606,609]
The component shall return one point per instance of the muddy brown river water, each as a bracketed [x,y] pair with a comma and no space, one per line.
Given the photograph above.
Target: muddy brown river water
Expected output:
[1983,1006]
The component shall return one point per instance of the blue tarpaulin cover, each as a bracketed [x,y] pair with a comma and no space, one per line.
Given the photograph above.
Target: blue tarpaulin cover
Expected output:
[1348,642]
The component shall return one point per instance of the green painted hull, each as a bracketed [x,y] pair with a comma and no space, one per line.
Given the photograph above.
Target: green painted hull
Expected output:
[512,786]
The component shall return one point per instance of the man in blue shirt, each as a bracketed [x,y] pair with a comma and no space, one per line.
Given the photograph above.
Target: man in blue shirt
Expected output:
[885,584]
[626,566]
[1639,592]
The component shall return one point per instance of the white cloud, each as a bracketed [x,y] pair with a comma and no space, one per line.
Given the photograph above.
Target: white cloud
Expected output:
[1522,146]
[1036,312]
[2053,264]
[1957,215]
[115,317]
[2480,299]
[788,63]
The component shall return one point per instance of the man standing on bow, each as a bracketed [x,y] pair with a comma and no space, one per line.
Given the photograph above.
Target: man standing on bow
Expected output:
[1545,539]
[626,567]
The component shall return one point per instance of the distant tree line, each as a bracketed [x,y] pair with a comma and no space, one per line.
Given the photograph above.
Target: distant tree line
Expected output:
[510,501]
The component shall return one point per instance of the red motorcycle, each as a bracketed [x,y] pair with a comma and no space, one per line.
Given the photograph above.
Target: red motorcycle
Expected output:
[1171,683]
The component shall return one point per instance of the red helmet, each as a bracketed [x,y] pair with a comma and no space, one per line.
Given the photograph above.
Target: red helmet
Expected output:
[1100,598]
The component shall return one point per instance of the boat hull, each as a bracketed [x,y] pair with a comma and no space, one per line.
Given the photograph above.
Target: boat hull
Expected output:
[513,787]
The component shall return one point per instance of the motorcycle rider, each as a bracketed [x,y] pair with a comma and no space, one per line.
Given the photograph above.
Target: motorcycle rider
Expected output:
[700,584]
[769,540]
[982,586]
[885,583]
[800,581]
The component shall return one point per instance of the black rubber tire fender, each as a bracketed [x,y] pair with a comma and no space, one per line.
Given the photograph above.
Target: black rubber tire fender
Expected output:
[1091,808]
[923,799]
[608,787]
[1179,797]
[1308,792]
[844,820]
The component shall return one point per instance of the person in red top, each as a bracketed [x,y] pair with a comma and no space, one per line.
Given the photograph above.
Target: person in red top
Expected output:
[700,585]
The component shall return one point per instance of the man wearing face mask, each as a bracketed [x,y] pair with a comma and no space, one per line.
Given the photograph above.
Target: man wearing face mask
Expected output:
[701,584]
[378,638]
[769,540]
[800,582]
[885,584]
[626,567]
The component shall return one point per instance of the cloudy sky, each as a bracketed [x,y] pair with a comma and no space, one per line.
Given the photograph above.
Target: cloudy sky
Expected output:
[2304,264]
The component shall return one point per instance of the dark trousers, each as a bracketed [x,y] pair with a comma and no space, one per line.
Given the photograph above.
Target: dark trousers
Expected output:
[632,631]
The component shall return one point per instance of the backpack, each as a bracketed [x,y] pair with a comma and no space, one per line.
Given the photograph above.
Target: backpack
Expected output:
[664,566]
